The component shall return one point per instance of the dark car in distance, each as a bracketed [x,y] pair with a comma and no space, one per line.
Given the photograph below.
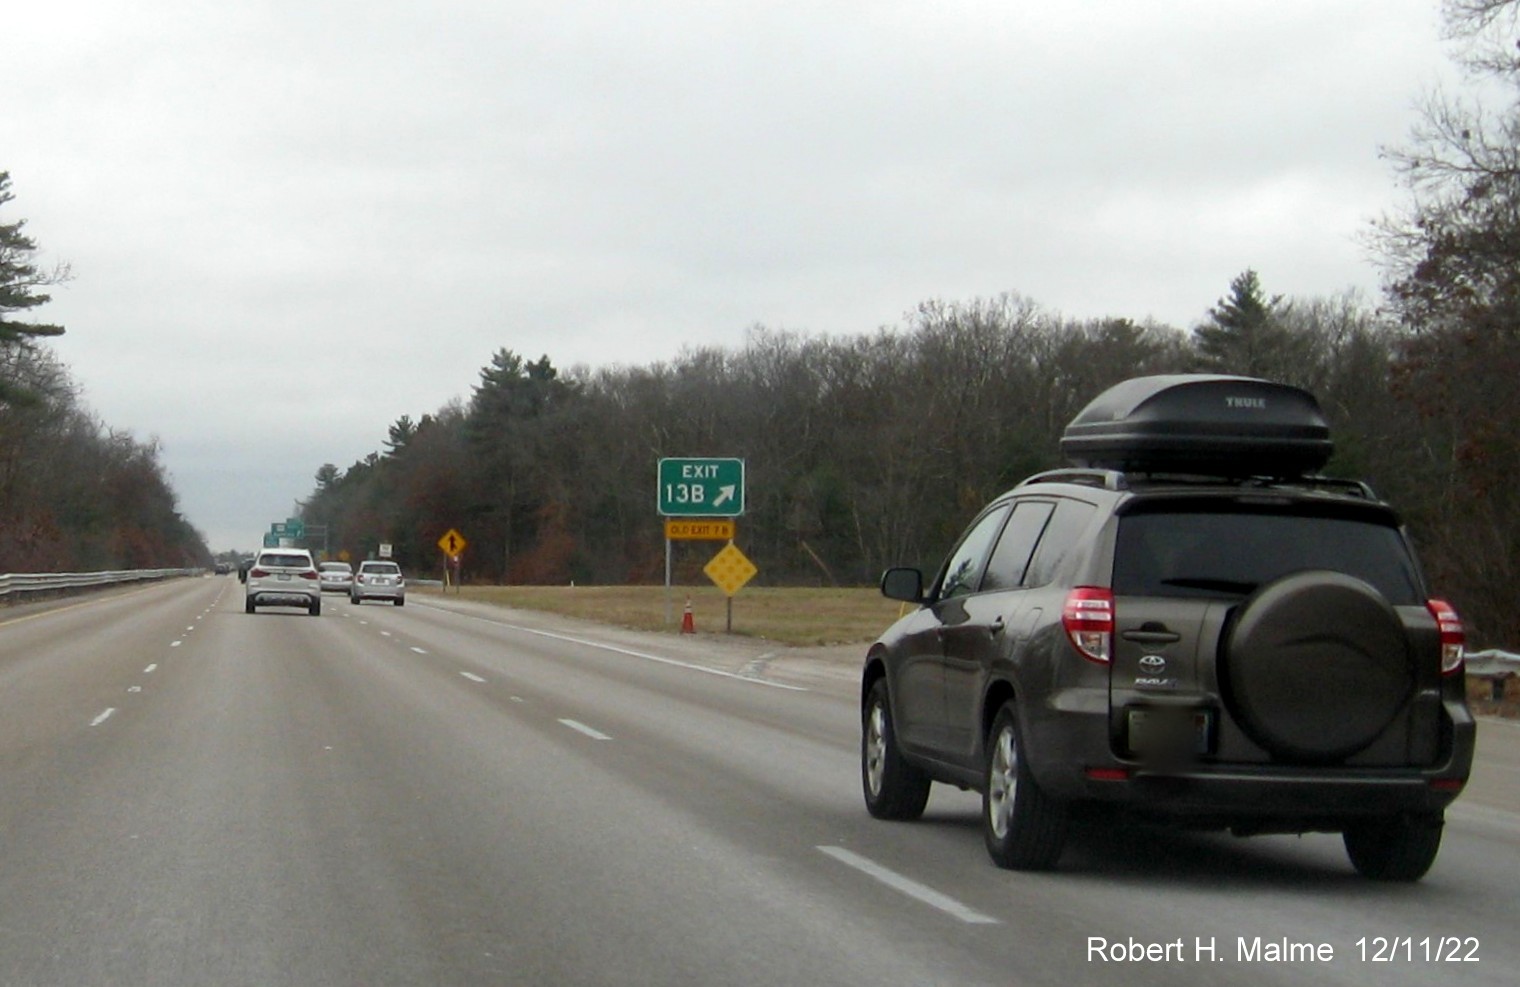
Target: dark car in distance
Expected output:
[1190,625]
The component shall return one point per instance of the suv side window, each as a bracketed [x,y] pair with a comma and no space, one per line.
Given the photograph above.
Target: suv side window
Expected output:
[1011,557]
[1061,536]
[964,569]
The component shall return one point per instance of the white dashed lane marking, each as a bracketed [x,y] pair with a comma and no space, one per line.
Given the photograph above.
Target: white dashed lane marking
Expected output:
[908,886]
[581,728]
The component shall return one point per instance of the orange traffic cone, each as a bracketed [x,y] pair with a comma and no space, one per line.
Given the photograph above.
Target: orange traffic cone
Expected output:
[688,626]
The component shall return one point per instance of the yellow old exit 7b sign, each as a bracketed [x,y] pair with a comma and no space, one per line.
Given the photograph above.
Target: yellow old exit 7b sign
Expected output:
[704,529]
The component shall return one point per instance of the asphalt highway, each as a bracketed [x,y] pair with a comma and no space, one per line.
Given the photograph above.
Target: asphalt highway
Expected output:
[450,794]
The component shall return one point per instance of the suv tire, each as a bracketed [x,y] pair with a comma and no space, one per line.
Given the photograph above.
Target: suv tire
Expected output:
[1317,666]
[1394,848]
[894,789]
[1024,828]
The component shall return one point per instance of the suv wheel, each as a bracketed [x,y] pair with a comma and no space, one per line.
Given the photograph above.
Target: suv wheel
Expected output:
[1025,829]
[894,789]
[1395,848]
[248,605]
[316,607]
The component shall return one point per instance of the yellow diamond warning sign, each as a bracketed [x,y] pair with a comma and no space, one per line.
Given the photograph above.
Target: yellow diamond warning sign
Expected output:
[730,569]
[452,542]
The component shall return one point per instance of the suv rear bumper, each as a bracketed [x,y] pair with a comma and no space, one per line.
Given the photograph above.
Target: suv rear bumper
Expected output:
[377,593]
[1260,802]
[1073,760]
[275,598]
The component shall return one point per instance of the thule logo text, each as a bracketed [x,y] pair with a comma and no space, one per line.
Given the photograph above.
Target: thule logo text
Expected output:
[1260,403]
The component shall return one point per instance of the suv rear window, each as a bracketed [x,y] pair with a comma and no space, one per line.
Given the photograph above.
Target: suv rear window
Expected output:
[1229,553]
[384,568]
[285,561]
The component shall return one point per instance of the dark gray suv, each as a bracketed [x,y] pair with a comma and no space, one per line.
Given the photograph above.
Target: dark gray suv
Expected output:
[1188,624]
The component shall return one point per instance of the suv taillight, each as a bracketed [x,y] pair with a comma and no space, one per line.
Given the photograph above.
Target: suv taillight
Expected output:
[311,574]
[257,573]
[1088,617]
[1453,635]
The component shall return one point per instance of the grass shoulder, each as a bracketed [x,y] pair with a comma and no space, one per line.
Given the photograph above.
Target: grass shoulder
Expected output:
[796,616]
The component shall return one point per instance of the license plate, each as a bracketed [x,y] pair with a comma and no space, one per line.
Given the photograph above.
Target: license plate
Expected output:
[283,577]
[1169,732]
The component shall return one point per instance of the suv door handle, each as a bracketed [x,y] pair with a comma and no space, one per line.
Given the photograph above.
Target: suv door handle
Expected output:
[1152,636]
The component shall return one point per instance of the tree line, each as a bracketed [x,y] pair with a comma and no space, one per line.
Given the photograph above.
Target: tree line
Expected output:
[74,494]
[861,451]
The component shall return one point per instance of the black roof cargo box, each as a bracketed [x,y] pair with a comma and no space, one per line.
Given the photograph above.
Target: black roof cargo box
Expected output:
[1204,424]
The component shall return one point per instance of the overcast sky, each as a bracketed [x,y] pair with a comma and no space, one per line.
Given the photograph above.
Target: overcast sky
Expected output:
[364,199]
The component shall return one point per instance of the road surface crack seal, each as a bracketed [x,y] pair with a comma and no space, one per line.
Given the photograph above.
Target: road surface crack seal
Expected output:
[755,668]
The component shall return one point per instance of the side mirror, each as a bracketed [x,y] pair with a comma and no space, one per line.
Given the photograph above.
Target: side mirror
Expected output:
[900,583]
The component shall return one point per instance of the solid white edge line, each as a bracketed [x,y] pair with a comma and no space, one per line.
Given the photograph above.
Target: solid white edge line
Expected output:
[579,727]
[660,659]
[909,887]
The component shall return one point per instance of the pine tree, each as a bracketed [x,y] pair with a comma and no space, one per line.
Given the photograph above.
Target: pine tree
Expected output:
[1238,336]
[19,280]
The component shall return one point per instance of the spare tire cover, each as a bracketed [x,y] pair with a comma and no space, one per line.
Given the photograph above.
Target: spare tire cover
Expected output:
[1316,666]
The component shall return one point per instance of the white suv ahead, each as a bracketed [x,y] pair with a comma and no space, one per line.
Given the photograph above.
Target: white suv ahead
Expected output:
[284,577]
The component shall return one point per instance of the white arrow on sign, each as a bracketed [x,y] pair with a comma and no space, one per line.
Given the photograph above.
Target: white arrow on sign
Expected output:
[725,494]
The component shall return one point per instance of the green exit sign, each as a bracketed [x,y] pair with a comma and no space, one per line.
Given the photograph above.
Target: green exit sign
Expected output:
[701,487]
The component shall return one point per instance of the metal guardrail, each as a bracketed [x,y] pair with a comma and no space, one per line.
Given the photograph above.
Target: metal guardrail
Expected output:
[14,584]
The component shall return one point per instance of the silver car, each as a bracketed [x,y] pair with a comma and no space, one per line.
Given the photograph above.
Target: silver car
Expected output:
[335,577]
[284,577]
[378,581]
